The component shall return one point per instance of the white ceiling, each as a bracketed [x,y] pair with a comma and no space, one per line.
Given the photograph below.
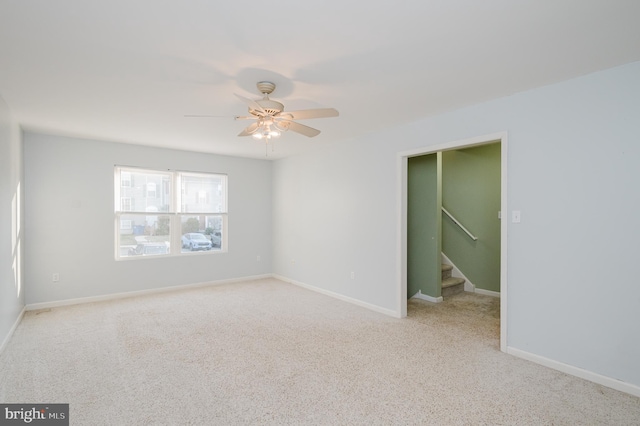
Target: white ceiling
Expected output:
[129,70]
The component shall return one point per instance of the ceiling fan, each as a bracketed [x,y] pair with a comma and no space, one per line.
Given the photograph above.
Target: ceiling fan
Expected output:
[272,119]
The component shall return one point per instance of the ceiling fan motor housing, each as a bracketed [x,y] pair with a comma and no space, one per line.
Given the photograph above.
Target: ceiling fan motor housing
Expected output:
[266,87]
[271,107]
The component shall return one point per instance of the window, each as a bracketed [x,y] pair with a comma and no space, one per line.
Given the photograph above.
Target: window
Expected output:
[169,212]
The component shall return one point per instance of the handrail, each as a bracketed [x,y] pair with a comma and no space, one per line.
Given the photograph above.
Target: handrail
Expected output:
[473,237]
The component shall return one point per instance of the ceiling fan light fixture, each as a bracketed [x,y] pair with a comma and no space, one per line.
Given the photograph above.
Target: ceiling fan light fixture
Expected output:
[265,132]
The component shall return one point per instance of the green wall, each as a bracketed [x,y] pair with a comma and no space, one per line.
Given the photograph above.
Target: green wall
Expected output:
[424,225]
[471,193]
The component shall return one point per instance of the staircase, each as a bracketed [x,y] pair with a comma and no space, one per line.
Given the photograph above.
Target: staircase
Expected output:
[450,285]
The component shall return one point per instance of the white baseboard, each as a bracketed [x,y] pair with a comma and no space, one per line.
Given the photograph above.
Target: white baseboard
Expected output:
[339,296]
[487,292]
[13,329]
[114,296]
[426,297]
[578,372]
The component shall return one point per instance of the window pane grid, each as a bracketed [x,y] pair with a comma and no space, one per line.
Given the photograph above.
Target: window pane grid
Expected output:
[138,191]
[143,234]
[202,193]
[154,219]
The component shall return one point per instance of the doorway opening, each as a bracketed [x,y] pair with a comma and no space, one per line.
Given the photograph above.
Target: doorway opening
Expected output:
[403,251]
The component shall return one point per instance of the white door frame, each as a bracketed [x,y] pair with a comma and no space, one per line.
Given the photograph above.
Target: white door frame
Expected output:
[402,166]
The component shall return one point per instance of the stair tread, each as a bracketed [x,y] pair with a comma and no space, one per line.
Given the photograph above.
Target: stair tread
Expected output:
[446,267]
[452,281]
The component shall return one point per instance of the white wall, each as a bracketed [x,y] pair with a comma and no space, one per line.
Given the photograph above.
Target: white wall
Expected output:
[574,149]
[69,220]
[11,288]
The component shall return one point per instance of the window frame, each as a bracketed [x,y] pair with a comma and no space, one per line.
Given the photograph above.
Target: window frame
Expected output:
[175,213]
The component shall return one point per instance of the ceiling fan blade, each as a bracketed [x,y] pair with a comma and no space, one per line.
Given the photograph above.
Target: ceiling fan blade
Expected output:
[299,128]
[249,130]
[252,104]
[310,113]
[244,117]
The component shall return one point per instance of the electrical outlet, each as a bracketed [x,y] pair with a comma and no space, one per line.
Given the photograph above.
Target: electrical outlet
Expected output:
[55,277]
[353,275]
[258,258]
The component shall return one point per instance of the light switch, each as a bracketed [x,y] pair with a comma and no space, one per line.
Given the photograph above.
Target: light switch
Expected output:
[515,216]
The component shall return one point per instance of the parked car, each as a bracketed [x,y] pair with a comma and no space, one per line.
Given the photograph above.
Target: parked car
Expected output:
[147,249]
[196,241]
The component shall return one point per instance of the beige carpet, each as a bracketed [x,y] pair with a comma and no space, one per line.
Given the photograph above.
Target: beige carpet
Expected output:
[267,352]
